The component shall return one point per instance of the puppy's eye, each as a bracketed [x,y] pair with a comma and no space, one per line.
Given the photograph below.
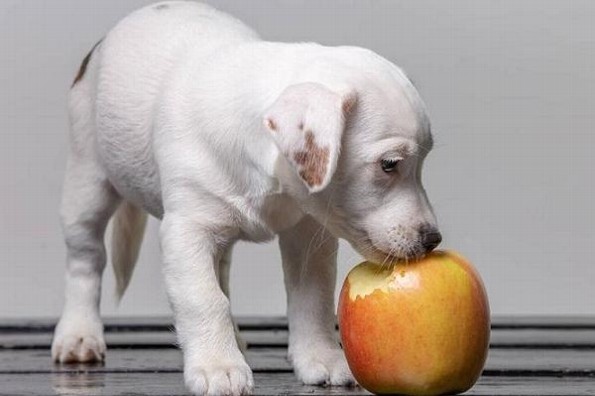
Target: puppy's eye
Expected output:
[389,165]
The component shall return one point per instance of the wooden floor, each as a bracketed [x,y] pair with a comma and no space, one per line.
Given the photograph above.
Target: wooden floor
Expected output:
[528,356]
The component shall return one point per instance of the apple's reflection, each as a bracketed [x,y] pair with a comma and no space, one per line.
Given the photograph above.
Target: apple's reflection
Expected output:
[77,380]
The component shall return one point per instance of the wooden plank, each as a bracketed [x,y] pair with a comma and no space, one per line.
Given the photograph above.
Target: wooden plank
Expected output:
[158,323]
[543,322]
[501,338]
[545,338]
[150,384]
[521,386]
[280,323]
[502,362]
[154,339]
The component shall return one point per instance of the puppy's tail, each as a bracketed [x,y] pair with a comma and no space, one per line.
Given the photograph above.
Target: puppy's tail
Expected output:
[127,235]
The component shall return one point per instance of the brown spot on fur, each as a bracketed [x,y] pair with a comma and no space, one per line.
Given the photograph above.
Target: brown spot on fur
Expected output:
[349,103]
[301,126]
[313,161]
[84,64]
[160,7]
[270,124]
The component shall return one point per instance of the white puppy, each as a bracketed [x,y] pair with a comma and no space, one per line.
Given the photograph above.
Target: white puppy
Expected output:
[182,112]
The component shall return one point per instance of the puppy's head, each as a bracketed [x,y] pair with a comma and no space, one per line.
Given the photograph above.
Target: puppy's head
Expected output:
[353,157]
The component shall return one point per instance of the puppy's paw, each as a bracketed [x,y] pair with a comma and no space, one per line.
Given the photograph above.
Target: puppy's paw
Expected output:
[327,366]
[78,341]
[78,348]
[233,378]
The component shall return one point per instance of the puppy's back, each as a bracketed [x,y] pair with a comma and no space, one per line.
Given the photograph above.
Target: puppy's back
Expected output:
[124,75]
[141,51]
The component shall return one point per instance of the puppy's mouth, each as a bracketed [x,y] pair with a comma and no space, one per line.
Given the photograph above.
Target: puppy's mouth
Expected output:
[368,249]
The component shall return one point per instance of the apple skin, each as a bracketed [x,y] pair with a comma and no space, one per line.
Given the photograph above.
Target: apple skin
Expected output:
[417,328]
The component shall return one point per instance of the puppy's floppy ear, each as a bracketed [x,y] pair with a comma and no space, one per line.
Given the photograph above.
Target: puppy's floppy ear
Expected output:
[307,123]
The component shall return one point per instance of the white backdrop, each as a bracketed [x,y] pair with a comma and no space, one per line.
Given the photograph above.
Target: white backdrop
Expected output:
[510,89]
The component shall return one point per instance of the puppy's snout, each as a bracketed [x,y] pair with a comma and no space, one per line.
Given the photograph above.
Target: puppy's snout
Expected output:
[430,238]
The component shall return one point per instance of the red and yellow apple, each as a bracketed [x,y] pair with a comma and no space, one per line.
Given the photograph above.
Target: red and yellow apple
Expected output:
[416,328]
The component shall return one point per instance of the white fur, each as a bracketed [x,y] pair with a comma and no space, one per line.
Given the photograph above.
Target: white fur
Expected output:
[184,112]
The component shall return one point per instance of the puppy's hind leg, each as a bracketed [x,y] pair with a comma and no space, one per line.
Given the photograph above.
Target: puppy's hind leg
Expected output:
[88,202]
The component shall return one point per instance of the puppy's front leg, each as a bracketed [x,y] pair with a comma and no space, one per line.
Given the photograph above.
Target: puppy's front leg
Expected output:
[309,262]
[213,364]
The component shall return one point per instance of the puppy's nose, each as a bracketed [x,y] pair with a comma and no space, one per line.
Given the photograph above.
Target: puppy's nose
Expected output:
[430,238]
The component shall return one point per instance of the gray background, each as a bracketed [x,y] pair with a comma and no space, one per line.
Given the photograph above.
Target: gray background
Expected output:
[509,86]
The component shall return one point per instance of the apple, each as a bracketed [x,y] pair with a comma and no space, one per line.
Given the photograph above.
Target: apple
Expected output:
[416,328]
